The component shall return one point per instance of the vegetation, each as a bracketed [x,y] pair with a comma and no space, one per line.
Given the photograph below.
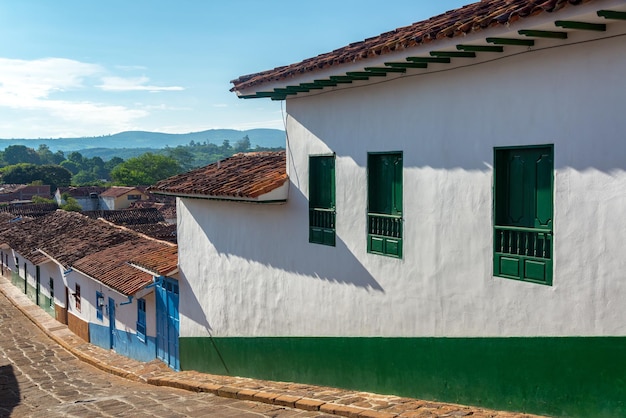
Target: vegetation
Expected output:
[21,164]
[145,169]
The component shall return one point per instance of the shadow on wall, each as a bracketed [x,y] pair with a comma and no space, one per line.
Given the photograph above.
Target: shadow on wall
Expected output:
[277,236]
[9,390]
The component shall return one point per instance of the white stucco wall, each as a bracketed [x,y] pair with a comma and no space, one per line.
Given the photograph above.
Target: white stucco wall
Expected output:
[249,270]
[125,313]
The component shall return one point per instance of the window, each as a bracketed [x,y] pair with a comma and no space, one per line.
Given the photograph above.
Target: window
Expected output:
[17,265]
[384,204]
[134,197]
[141,319]
[523,213]
[99,305]
[322,199]
[51,292]
[77,296]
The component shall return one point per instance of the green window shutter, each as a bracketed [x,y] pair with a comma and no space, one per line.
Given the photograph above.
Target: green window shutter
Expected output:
[322,200]
[523,211]
[384,218]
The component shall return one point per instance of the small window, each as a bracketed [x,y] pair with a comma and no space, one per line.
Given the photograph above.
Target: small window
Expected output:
[134,197]
[17,266]
[77,296]
[384,204]
[99,305]
[141,320]
[51,292]
[322,200]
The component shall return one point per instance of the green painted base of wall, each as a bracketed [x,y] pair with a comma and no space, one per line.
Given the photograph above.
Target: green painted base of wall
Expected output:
[46,304]
[571,376]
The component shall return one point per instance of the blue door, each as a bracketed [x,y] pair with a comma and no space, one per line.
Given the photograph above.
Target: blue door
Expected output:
[167,295]
[112,322]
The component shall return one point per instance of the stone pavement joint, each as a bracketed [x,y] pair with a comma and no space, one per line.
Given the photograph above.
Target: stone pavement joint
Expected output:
[304,397]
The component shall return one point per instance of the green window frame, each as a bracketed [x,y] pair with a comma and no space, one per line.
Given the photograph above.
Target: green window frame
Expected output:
[523,213]
[384,203]
[322,210]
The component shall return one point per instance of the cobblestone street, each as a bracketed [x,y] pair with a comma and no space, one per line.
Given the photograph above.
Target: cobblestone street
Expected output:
[40,378]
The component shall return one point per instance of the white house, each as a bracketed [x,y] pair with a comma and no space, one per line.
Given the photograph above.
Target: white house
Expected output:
[107,283]
[454,223]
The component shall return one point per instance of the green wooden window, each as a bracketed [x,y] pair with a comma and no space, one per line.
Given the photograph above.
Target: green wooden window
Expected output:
[384,204]
[322,199]
[523,213]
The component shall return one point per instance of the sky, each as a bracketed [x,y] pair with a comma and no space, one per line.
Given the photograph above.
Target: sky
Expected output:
[71,68]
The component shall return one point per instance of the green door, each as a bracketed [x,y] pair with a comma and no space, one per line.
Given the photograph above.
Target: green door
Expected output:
[524,213]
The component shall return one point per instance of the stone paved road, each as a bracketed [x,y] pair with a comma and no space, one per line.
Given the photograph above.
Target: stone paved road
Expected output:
[38,378]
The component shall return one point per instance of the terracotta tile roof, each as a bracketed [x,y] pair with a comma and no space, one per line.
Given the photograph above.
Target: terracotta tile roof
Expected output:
[242,176]
[17,192]
[91,246]
[24,234]
[454,23]
[70,236]
[161,262]
[127,216]
[29,209]
[81,191]
[117,191]
[161,231]
[110,265]
[166,209]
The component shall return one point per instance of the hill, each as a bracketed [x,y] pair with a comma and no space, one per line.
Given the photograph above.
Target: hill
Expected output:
[270,138]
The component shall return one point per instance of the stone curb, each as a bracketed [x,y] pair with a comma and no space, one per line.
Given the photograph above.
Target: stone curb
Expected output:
[61,334]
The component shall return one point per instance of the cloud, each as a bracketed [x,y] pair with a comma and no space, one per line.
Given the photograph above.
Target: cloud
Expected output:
[133,84]
[55,92]
[25,82]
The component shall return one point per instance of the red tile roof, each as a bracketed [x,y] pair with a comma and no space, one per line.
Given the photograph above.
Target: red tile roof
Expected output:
[117,191]
[110,266]
[471,18]
[81,191]
[245,176]
[70,236]
[160,262]
[91,246]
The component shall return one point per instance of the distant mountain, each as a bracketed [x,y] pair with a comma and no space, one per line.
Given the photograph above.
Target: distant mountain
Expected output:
[270,138]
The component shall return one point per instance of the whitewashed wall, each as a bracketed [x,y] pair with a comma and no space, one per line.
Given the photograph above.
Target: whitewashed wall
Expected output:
[249,270]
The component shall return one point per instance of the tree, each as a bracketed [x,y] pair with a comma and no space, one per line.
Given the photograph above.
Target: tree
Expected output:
[146,169]
[23,173]
[53,175]
[47,157]
[71,205]
[183,156]
[71,166]
[16,154]
[242,145]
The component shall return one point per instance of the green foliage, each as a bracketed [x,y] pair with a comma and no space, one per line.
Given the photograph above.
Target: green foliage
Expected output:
[71,205]
[39,199]
[87,171]
[145,170]
[47,157]
[54,175]
[16,154]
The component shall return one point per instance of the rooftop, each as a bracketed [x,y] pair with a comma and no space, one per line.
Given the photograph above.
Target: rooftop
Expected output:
[399,44]
[254,176]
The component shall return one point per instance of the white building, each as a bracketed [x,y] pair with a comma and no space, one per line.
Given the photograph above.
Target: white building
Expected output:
[453,228]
